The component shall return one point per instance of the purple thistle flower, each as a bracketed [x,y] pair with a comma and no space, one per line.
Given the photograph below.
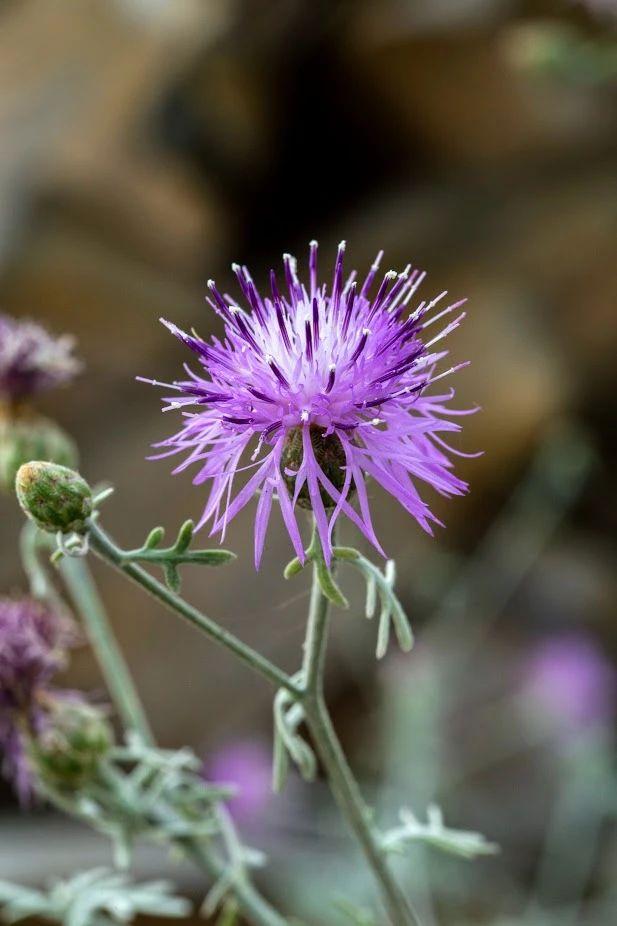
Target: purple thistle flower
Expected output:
[570,680]
[31,359]
[33,643]
[323,387]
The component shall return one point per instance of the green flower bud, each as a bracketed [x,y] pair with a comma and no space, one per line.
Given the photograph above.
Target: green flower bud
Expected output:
[66,754]
[330,455]
[54,497]
[32,438]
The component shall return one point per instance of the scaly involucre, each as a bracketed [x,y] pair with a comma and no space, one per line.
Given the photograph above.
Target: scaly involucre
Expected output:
[322,386]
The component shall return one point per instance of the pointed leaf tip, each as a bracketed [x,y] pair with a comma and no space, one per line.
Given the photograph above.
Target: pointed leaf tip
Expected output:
[185,536]
[293,568]
[154,538]
[329,587]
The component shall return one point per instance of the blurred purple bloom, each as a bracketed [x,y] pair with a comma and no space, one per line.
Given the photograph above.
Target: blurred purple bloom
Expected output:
[570,680]
[322,387]
[31,359]
[247,765]
[33,644]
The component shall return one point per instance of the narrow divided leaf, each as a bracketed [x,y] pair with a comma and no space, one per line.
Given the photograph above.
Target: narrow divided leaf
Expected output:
[383,633]
[402,627]
[329,586]
[154,538]
[371,597]
[210,557]
[172,577]
[185,536]
[292,568]
[346,553]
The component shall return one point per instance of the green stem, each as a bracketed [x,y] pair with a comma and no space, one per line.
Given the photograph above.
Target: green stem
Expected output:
[311,694]
[341,779]
[126,698]
[102,639]
[104,547]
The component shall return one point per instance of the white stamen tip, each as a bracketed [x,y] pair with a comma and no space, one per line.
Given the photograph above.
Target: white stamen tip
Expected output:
[304,415]
[313,243]
[235,268]
[366,331]
[332,368]
[211,284]
[342,245]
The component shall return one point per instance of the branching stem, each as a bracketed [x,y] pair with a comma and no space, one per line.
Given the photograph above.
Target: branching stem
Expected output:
[340,776]
[107,550]
[131,712]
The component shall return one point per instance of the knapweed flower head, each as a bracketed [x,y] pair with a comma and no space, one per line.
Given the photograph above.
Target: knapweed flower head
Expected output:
[32,359]
[313,389]
[34,640]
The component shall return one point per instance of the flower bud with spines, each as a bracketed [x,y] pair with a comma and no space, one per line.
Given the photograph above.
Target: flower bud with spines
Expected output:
[55,497]
[67,752]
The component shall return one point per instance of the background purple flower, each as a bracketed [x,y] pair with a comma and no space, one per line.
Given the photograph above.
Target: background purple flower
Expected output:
[569,679]
[31,359]
[34,640]
[247,765]
[312,390]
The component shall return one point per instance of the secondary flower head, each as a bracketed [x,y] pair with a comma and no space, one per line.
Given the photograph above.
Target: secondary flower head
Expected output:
[31,359]
[322,386]
[34,641]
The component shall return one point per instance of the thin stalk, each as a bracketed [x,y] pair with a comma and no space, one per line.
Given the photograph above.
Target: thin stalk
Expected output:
[103,641]
[105,548]
[340,776]
[252,903]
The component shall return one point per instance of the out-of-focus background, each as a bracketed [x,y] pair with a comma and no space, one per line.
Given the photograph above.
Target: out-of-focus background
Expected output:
[148,144]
